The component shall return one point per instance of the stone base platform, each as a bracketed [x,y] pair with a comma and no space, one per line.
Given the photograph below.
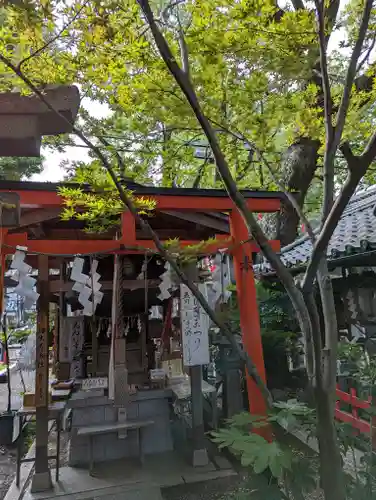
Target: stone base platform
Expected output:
[127,480]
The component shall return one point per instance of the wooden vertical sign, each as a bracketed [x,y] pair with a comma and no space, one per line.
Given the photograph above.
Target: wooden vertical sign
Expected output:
[64,341]
[55,339]
[120,366]
[76,334]
[41,378]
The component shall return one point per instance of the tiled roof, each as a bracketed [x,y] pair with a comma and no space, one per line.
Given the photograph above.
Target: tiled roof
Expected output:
[355,232]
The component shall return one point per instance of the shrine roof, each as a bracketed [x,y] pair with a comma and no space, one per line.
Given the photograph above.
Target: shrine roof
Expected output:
[190,215]
[140,189]
[355,235]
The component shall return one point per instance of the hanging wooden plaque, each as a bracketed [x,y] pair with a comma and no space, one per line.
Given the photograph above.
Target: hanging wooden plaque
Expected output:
[41,379]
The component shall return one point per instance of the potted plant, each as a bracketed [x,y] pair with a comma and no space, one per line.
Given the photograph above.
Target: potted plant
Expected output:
[6,417]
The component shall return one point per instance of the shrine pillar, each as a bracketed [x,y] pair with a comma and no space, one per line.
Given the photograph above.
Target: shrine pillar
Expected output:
[3,233]
[63,341]
[42,476]
[248,307]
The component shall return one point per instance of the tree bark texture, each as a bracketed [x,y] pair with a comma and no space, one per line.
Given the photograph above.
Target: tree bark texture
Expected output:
[300,164]
[331,472]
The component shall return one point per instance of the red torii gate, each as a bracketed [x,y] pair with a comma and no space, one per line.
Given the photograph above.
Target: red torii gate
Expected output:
[40,196]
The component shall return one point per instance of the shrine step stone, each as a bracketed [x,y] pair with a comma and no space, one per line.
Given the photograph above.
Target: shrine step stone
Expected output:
[142,493]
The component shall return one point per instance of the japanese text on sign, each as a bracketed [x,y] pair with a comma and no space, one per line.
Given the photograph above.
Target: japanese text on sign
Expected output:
[94,383]
[41,375]
[194,328]
[76,339]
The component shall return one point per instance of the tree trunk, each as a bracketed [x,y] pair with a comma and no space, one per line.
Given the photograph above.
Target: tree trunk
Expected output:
[6,347]
[331,473]
[300,163]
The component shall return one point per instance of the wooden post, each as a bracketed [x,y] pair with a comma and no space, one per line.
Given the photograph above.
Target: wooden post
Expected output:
[55,347]
[128,229]
[63,363]
[94,346]
[42,476]
[249,315]
[120,343]
[200,454]
[3,233]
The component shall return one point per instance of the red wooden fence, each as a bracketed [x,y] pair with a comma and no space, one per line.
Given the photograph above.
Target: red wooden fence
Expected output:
[356,404]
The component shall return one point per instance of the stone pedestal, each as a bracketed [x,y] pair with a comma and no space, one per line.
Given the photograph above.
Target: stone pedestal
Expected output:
[41,482]
[91,409]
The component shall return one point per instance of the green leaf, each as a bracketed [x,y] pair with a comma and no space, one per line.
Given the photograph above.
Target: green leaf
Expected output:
[261,462]
[276,465]
[246,460]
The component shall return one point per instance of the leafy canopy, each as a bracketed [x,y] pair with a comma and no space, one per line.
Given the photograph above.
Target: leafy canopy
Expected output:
[251,65]
[15,169]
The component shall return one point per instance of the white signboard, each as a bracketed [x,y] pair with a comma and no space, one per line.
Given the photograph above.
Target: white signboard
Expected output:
[194,328]
[94,383]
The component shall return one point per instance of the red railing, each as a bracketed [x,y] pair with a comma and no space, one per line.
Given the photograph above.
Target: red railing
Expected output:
[356,405]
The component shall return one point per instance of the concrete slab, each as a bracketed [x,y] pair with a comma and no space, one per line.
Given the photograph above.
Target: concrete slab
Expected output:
[127,480]
[41,481]
[77,483]
[222,462]
[198,477]
[175,463]
[139,494]
[216,489]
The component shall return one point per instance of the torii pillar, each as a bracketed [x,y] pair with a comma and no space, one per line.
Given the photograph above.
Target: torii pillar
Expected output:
[3,233]
[249,315]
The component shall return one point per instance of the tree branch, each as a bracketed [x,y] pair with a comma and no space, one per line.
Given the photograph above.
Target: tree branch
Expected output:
[347,154]
[145,226]
[298,4]
[291,198]
[200,173]
[328,229]
[332,212]
[351,73]
[357,166]
[184,52]
[183,49]
[328,111]
[369,153]
[367,55]
[238,135]
[328,104]
[50,42]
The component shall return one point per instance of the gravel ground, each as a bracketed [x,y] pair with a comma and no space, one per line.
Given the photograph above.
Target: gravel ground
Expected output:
[64,441]
[7,469]
[240,487]
[8,460]
[208,490]
[230,488]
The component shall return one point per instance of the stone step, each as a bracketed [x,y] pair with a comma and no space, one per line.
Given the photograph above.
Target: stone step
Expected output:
[142,493]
